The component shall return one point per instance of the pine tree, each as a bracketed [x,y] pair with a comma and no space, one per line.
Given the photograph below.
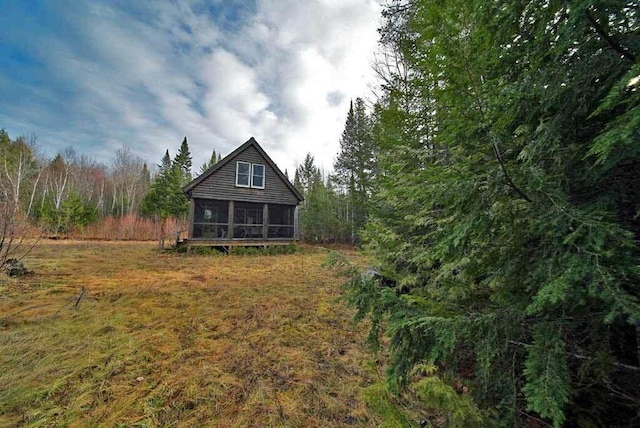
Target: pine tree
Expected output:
[307,174]
[506,214]
[5,140]
[297,182]
[165,197]
[145,176]
[355,165]
[346,162]
[215,158]
[165,163]
[184,162]
[318,219]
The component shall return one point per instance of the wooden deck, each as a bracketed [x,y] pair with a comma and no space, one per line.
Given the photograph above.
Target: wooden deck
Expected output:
[228,244]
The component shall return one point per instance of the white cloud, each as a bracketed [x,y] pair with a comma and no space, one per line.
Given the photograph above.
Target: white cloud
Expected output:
[317,51]
[148,77]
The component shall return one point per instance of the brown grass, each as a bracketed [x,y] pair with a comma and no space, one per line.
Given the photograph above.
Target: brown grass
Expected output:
[168,340]
[128,227]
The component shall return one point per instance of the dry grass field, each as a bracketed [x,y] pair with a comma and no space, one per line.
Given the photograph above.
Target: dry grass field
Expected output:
[161,339]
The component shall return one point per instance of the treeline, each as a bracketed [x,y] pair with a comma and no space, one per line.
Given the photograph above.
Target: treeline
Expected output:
[73,195]
[505,220]
[69,190]
[336,206]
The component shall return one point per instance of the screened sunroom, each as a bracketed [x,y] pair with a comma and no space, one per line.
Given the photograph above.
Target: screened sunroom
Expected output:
[249,220]
[243,200]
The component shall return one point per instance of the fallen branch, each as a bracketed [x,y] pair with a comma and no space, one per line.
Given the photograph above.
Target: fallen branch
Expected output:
[79,298]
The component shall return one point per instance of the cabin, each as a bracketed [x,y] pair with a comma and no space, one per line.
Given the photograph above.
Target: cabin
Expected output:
[243,200]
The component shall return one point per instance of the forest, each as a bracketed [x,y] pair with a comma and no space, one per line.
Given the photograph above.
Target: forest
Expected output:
[494,182]
[504,213]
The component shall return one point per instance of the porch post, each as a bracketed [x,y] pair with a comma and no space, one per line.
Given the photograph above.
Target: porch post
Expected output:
[265,221]
[230,219]
[192,209]
[296,226]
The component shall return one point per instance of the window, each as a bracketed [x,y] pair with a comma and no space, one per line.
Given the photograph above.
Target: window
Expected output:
[257,176]
[250,175]
[243,173]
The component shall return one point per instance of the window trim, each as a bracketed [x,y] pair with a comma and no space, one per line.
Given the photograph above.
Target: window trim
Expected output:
[249,175]
[252,168]
[264,173]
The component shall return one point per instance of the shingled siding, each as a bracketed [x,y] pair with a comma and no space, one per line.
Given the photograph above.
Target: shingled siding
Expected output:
[222,184]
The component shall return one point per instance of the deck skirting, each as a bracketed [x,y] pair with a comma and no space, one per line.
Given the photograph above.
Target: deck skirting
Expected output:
[228,244]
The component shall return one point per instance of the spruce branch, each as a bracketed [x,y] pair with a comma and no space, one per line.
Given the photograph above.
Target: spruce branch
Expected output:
[610,40]
[507,177]
[494,145]
[583,357]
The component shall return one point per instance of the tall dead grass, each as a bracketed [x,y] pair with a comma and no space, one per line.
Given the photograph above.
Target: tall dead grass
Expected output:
[128,228]
[168,340]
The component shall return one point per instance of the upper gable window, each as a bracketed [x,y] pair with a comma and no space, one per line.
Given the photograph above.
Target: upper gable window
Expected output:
[257,176]
[250,175]
[243,174]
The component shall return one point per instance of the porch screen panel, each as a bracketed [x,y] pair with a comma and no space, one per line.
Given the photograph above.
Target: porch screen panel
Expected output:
[247,220]
[281,221]
[211,219]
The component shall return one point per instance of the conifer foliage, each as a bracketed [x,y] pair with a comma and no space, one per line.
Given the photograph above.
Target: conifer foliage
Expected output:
[321,216]
[165,197]
[356,164]
[184,162]
[215,158]
[507,220]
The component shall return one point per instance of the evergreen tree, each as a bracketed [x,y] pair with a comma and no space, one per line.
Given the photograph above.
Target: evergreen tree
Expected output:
[297,182]
[318,219]
[307,174]
[75,212]
[145,175]
[165,163]
[165,197]
[356,163]
[215,158]
[5,140]
[506,218]
[184,162]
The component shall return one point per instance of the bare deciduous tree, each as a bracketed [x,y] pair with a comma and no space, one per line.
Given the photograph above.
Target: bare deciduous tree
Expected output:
[17,167]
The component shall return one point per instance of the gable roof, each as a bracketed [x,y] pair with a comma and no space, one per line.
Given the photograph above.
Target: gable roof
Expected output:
[250,142]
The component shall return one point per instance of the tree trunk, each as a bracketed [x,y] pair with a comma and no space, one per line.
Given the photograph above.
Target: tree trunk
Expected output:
[162,233]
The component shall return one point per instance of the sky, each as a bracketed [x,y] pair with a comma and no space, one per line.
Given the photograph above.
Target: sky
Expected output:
[99,75]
